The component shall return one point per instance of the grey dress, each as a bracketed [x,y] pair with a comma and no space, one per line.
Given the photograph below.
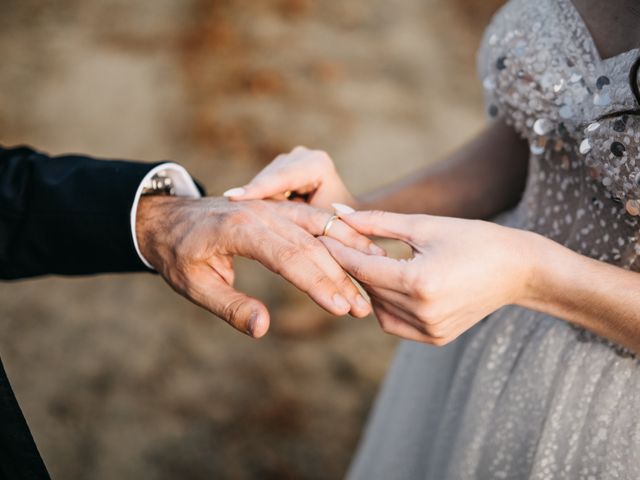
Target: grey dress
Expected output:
[524,395]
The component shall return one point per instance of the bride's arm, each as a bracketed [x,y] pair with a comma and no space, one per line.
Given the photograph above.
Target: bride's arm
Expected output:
[594,295]
[480,180]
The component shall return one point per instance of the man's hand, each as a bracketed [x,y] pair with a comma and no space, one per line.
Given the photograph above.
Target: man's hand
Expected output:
[192,242]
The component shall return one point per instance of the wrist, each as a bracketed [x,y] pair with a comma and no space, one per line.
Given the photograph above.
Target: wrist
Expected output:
[544,260]
[153,217]
[524,265]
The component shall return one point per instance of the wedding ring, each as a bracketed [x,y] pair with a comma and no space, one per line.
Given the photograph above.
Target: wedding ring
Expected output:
[329,224]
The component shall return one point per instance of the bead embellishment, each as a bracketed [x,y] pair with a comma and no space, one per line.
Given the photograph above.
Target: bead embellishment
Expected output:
[548,82]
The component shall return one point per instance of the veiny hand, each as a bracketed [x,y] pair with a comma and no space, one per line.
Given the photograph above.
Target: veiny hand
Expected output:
[308,173]
[461,271]
[192,242]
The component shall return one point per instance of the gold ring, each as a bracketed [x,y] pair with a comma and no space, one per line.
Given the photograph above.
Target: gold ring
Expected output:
[288,194]
[329,224]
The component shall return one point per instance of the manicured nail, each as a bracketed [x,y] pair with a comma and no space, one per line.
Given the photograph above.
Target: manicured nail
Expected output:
[340,302]
[253,323]
[234,192]
[361,303]
[342,209]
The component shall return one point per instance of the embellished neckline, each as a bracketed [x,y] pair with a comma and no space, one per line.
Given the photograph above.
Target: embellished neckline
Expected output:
[571,10]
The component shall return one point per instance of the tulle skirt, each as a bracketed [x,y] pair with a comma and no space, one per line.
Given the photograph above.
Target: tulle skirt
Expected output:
[522,395]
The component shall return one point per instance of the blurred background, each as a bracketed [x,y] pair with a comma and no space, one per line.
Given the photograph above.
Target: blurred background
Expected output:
[120,378]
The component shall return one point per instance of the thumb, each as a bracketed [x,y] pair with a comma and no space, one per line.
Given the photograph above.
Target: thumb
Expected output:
[242,312]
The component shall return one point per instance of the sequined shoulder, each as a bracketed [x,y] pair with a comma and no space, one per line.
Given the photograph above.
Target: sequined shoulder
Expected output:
[537,60]
[542,74]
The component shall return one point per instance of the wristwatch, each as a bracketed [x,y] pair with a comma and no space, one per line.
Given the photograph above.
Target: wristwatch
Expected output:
[159,184]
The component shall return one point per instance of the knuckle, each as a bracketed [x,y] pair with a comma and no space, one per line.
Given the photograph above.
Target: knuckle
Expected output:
[425,313]
[311,245]
[433,323]
[287,254]
[421,328]
[324,158]
[422,286]
[440,342]
[412,280]
[421,291]
[319,281]
[436,331]
[360,273]
[346,281]
[355,239]
[231,309]
[365,243]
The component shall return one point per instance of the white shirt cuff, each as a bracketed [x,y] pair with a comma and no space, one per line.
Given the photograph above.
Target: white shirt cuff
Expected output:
[184,187]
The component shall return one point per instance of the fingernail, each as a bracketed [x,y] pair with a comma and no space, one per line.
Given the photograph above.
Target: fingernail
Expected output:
[253,323]
[340,302]
[342,209]
[234,192]
[362,304]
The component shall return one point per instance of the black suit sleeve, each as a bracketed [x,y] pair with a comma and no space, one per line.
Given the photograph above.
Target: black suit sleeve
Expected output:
[66,215]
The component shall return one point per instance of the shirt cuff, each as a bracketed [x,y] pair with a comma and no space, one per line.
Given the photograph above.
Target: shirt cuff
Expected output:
[184,187]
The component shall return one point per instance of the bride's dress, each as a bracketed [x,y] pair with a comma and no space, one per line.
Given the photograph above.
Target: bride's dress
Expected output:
[525,395]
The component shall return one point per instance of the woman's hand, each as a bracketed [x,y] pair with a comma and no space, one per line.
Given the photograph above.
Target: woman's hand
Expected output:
[305,173]
[461,271]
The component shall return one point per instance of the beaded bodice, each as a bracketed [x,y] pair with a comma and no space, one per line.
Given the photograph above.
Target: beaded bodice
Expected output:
[543,75]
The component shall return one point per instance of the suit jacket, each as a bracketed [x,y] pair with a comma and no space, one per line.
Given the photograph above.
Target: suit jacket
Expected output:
[65,215]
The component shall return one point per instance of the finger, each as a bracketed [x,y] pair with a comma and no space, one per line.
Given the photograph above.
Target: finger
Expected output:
[411,304]
[246,314]
[285,174]
[397,298]
[314,250]
[276,186]
[395,326]
[400,313]
[314,221]
[440,333]
[291,262]
[384,224]
[348,236]
[368,269]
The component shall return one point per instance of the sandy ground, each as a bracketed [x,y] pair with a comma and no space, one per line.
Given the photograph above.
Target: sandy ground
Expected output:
[120,378]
